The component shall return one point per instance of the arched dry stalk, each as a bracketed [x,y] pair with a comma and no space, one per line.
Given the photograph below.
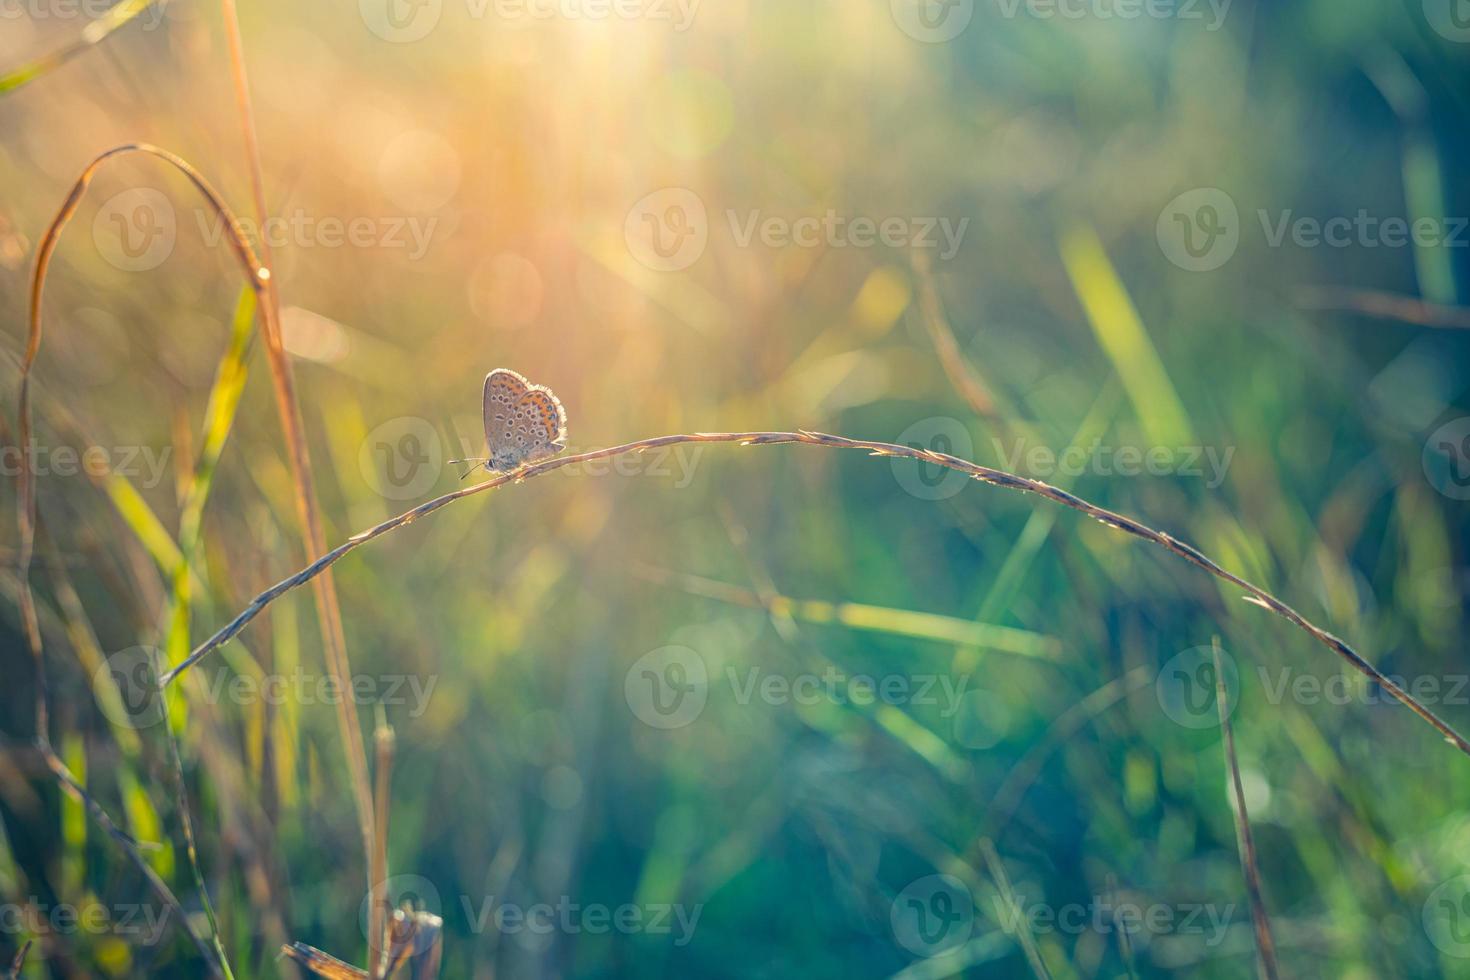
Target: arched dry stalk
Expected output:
[257,275]
[26,497]
[984,474]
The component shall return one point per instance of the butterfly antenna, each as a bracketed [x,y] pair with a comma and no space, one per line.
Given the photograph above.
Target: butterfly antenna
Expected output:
[467,472]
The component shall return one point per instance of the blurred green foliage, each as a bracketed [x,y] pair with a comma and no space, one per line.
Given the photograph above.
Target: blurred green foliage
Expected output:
[471,198]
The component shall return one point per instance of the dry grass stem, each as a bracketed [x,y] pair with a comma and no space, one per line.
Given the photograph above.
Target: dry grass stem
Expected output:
[17,964]
[379,940]
[984,474]
[131,849]
[1384,306]
[322,964]
[329,610]
[1023,923]
[1246,842]
[26,490]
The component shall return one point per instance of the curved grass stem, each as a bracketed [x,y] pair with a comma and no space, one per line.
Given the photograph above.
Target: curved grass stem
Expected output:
[984,474]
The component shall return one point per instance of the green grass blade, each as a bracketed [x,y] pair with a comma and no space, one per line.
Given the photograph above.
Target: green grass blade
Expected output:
[219,419]
[1121,333]
[94,33]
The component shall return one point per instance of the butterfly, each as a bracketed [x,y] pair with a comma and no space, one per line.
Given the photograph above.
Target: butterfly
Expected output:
[523,422]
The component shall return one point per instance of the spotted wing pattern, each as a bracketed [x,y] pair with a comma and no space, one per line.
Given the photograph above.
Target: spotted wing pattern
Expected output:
[546,419]
[523,422]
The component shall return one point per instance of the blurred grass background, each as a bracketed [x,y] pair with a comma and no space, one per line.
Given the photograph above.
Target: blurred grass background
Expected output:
[527,775]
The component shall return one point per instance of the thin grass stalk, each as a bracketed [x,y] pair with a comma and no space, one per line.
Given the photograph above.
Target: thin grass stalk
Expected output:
[1125,941]
[962,375]
[329,611]
[94,33]
[17,964]
[1245,840]
[186,821]
[1383,306]
[130,847]
[1023,927]
[219,416]
[1007,799]
[26,497]
[379,940]
[984,474]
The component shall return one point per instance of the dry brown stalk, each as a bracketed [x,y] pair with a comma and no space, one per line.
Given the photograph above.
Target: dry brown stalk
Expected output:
[984,474]
[329,610]
[1245,840]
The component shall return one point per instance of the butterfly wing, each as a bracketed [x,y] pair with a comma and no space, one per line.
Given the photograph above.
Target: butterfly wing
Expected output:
[540,416]
[523,422]
[503,388]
